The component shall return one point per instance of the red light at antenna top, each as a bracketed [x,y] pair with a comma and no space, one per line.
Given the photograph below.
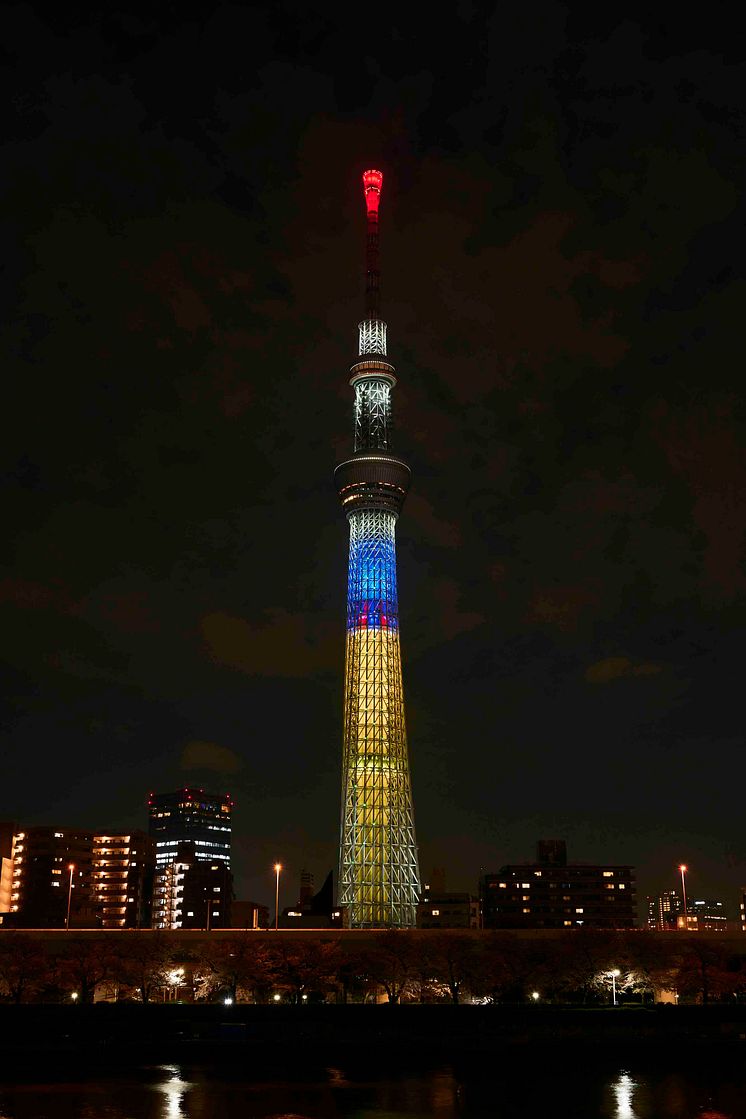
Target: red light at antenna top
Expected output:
[372,183]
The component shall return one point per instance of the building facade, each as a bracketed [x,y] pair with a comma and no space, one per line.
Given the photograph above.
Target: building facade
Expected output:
[122,870]
[191,830]
[554,894]
[379,879]
[449,910]
[664,911]
[72,878]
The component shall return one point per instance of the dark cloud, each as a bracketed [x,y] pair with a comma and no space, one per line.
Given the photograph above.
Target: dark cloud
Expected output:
[211,757]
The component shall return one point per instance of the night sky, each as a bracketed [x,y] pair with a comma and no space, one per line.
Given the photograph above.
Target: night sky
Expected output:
[562,260]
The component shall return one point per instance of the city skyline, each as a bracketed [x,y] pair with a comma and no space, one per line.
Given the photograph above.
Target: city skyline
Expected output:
[564,295]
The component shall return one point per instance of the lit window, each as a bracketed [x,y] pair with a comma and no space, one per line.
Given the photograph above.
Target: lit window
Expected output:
[526,911]
[436,913]
[55,883]
[609,885]
[579,911]
[567,923]
[525,897]
[608,873]
[59,835]
[537,874]
[503,885]
[525,885]
[622,886]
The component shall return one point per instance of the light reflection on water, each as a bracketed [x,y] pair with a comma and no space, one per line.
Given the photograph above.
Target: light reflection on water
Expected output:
[499,1089]
[174,1089]
[623,1091]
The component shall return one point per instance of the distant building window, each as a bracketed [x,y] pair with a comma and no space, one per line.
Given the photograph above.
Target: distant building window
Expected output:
[608,873]
[436,913]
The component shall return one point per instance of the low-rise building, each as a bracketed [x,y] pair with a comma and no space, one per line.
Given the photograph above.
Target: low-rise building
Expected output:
[554,894]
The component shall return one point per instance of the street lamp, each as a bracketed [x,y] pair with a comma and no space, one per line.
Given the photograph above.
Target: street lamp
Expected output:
[682,870]
[71,868]
[278,868]
[614,976]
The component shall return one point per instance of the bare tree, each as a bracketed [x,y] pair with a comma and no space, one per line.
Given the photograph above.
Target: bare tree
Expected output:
[305,966]
[24,966]
[452,959]
[392,962]
[240,965]
[83,963]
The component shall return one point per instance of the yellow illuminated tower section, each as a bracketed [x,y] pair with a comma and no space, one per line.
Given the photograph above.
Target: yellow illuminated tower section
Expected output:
[379,878]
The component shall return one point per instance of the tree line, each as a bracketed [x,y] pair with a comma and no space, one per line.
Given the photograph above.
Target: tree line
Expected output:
[395,966]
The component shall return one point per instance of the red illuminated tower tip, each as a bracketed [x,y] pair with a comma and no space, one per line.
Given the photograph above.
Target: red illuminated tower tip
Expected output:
[372,183]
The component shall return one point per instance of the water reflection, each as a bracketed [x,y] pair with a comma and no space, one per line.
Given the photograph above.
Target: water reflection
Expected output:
[247,1088]
[623,1090]
[174,1089]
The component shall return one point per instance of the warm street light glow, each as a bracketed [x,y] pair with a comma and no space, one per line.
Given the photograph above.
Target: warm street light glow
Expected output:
[71,868]
[74,996]
[614,976]
[535,996]
[276,998]
[278,868]
[228,1002]
[682,870]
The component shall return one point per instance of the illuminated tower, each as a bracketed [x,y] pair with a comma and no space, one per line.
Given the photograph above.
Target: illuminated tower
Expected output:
[379,879]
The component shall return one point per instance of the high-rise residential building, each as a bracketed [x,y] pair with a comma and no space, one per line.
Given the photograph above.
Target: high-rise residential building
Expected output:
[379,878]
[66,877]
[192,833]
[122,869]
[664,910]
[51,885]
[549,894]
[742,909]
[7,831]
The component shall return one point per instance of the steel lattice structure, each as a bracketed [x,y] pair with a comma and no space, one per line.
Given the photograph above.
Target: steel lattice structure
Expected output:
[379,880]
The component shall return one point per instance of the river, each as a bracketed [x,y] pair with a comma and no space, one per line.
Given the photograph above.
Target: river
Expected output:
[576,1088]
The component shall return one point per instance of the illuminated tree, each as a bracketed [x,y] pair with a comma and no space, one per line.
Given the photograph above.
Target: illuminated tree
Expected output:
[143,964]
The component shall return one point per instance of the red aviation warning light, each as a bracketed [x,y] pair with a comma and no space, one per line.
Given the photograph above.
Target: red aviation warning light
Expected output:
[372,183]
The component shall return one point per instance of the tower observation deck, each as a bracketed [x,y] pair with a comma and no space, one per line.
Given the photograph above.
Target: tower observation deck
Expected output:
[379,879]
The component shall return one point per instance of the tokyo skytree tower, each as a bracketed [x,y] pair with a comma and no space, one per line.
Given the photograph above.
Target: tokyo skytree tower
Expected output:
[379,878]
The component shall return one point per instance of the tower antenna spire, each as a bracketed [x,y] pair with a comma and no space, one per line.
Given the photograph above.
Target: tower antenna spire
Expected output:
[372,184]
[372,328]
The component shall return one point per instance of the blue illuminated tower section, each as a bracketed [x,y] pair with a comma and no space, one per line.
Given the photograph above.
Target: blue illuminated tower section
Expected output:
[379,878]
